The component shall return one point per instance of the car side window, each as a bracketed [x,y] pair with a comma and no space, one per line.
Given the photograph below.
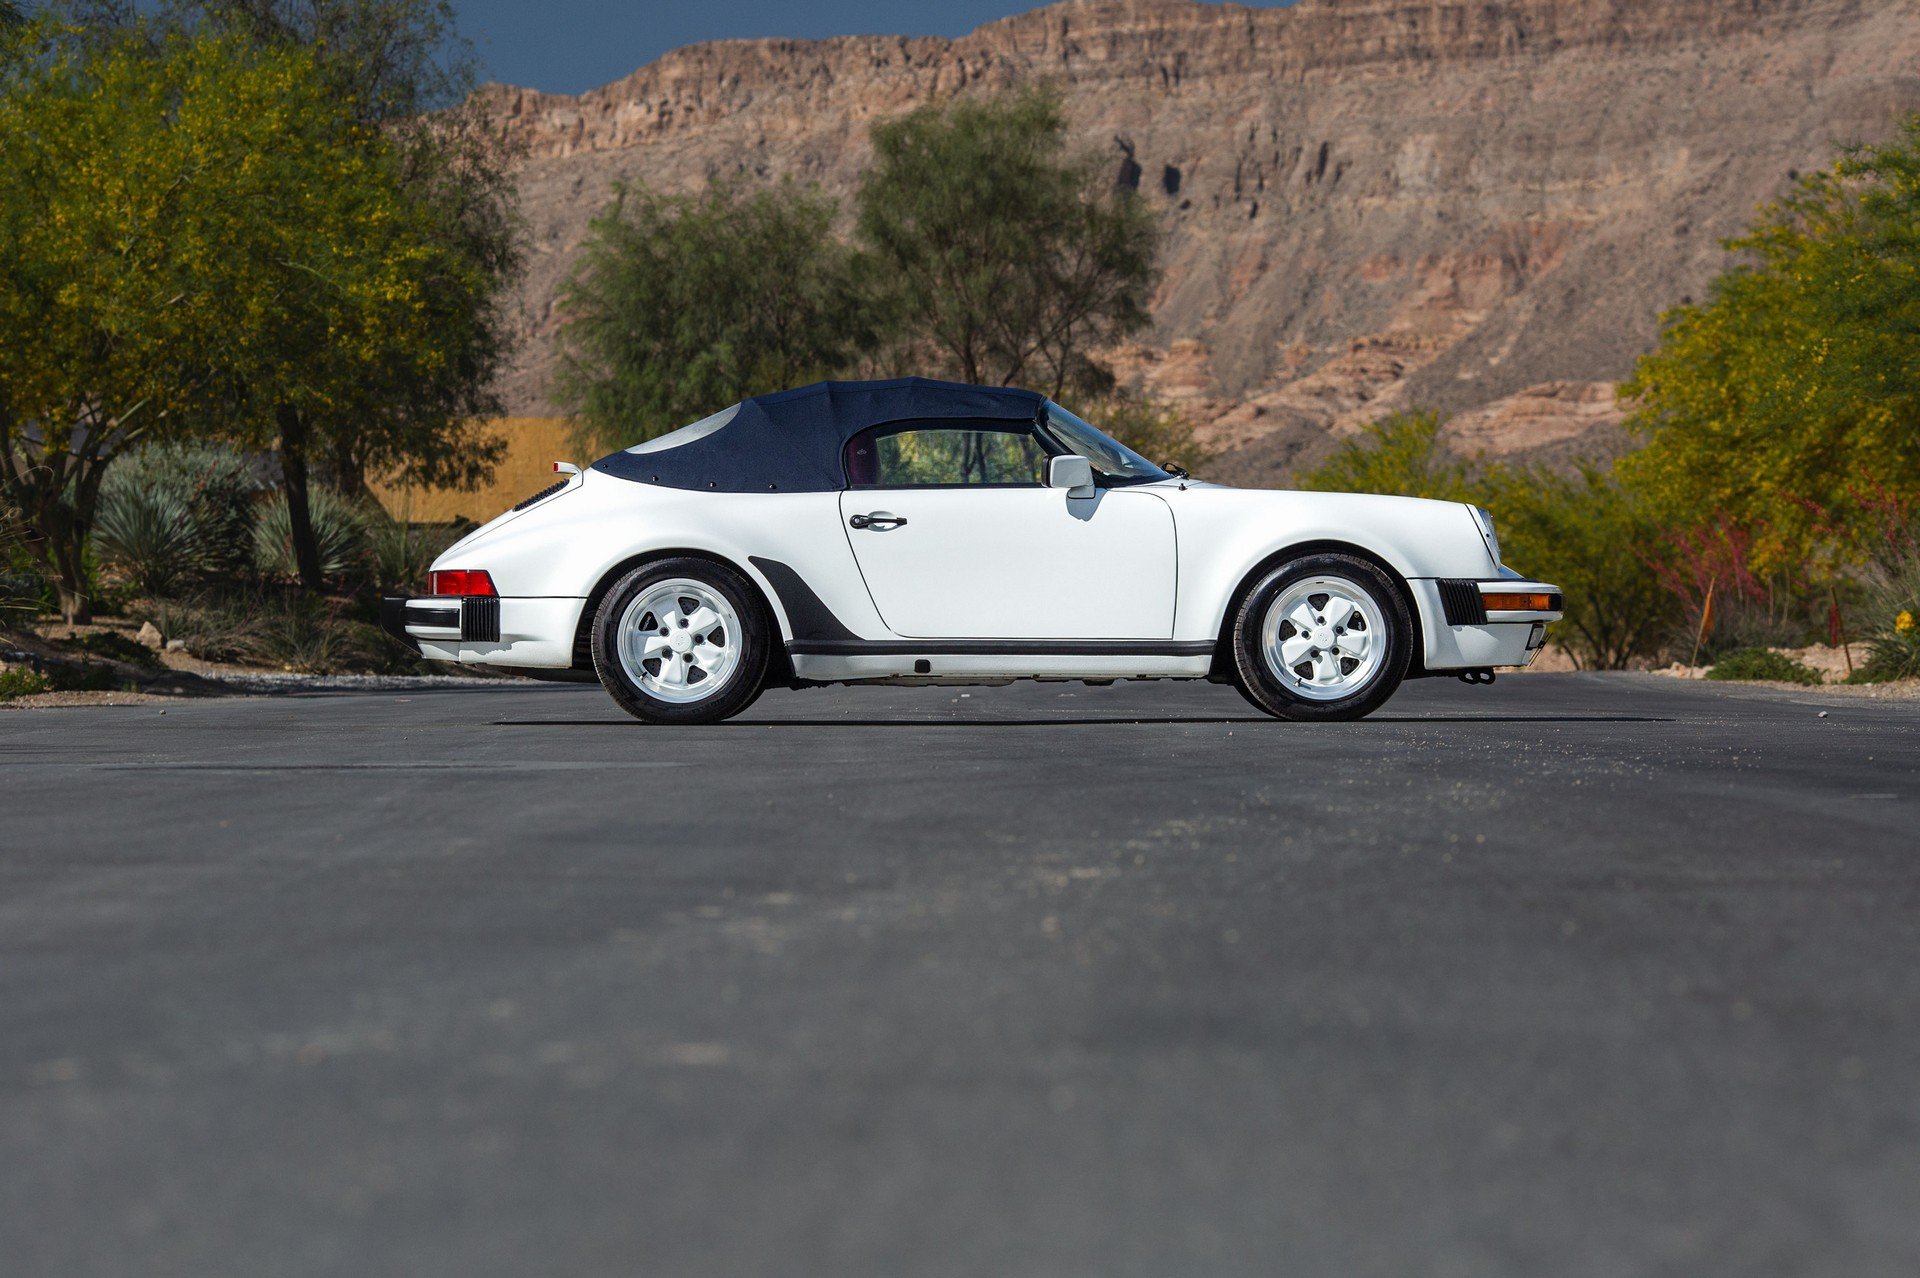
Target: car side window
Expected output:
[947,455]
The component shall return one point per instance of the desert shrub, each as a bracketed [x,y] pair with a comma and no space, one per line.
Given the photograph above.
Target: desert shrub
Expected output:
[320,636]
[211,626]
[1744,624]
[1889,589]
[1751,609]
[216,483]
[401,552]
[1156,430]
[23,588]
[88,676]
[1893,649]
[1588,535]
[339,526]
[288,629]
[1763,665]
[22,683]
[172,514]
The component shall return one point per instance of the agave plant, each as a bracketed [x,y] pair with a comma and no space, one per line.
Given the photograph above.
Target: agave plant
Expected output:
[213,485]
[149,535]
[402,552]
[339,527]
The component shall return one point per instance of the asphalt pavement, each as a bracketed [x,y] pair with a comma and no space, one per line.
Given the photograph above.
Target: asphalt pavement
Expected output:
[1574,975]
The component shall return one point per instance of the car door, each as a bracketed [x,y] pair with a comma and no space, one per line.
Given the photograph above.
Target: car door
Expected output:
[958,537]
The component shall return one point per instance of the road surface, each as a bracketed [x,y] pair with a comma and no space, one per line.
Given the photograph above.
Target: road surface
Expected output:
[1575,975]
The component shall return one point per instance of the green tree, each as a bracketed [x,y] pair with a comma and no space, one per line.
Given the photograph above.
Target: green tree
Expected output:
[402,67]
[1798,376]
[399,69]
[1586,532]
[1012,259]
[681,305]
[358,324]
[395,60]
[1401,455]
[108,172]
[1593,537]
[198,231]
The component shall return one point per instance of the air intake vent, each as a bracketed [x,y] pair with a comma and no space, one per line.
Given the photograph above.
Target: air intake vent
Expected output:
[542,495]
[480,620]
[1462,603]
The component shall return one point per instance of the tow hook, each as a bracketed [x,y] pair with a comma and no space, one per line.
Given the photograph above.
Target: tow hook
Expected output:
[1476,676]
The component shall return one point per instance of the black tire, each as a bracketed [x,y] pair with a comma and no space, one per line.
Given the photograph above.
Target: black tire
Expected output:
[736,689]
[1392,626]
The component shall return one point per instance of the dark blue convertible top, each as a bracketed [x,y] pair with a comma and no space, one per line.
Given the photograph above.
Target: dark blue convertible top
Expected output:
[791,442]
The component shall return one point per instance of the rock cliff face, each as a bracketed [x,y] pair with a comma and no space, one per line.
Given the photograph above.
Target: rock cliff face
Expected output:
[1481,207]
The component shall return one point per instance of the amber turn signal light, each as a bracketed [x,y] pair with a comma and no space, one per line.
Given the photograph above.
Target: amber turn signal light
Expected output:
[1531,601]
[461,581]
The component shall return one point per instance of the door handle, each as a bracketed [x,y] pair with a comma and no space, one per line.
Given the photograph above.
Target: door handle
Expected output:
[879,521]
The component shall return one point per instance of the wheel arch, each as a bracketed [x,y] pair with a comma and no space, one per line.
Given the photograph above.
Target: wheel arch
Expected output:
[1221,671]
[780,665]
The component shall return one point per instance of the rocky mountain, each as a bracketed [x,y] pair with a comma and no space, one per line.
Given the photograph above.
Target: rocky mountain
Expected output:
[1477,206]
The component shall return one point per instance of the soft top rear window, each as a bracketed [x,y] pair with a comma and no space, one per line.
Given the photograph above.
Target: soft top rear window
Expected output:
[688,433]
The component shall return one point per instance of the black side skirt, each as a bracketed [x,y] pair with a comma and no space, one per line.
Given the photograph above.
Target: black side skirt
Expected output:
[1002,648]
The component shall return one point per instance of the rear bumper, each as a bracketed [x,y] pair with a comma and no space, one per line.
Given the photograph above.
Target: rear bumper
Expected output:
[474,630]
[1462,634]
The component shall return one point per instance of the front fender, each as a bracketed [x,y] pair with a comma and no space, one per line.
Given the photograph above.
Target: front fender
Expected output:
[1227,534]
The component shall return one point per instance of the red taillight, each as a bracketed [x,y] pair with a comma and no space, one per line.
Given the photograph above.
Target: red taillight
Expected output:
[461,581]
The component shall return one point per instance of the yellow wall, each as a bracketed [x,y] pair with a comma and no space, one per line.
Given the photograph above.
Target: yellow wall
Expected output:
[534,444]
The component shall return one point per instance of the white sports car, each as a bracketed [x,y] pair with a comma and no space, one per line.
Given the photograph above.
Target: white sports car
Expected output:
[923,532]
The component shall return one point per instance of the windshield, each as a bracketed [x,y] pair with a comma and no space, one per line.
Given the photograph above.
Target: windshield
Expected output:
[1112,459]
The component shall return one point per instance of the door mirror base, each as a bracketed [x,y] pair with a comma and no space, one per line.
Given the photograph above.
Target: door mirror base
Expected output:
[1073,473]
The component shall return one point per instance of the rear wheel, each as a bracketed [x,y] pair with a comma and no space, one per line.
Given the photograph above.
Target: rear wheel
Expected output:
[682,641]
[1325,637]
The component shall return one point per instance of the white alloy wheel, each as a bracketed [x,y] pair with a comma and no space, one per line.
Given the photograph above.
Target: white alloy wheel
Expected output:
[1323,637]
[680,641]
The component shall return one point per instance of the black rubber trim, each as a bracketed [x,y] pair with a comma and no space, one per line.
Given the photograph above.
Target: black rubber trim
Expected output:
[810,618]
[1461,601]
[1003,648]
[480,619]
[393,619]
[443,618]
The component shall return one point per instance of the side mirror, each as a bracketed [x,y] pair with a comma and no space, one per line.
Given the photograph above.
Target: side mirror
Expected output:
[1075,474]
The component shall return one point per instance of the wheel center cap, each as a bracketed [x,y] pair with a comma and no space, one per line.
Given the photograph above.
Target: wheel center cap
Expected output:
[681,640]
[1323,637]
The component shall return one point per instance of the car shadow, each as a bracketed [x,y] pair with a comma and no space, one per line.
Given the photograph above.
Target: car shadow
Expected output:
[1103,721]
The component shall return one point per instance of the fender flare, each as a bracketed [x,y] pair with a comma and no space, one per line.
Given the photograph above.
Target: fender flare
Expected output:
[769,602]
[1221,671]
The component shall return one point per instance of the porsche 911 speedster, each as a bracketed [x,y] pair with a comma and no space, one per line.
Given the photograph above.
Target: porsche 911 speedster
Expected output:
[914,531]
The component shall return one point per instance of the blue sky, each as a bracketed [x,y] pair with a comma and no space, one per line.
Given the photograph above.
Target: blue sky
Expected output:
[565,46]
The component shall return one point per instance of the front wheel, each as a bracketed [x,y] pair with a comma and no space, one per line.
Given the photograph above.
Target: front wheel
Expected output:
[681,641]
[1324,637]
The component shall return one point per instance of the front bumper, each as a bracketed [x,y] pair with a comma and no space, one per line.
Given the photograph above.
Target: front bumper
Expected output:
[484,630]
[1463,634]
